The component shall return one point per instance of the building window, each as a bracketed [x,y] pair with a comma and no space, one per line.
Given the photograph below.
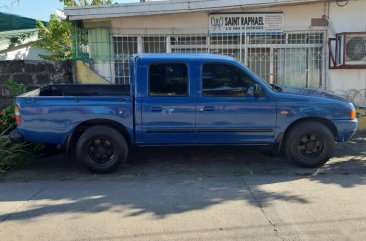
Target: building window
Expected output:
[220,79]
[154,44]
[189,43]
[168,79]
[294,58]
[124,47]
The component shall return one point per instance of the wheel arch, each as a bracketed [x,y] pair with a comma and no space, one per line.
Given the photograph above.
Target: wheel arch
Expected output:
[72,138]
[328,123]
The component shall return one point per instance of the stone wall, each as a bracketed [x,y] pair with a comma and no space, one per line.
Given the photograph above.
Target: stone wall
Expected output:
[33,74]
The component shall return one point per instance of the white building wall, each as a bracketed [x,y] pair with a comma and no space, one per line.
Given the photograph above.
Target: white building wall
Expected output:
[343,19]
[195,20]
[23,52]
[350,18]
[296,17]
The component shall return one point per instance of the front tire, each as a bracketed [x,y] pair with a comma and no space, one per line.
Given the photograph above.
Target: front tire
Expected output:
[101,149]
[309,144]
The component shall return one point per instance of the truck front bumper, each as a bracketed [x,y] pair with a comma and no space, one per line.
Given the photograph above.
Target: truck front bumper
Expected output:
[15,136]
[346,129]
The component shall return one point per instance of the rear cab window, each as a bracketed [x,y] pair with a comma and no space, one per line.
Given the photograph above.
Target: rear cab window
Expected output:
[168,79]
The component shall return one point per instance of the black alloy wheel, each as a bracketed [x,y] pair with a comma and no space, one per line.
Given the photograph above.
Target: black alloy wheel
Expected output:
[309,144]
[101,149]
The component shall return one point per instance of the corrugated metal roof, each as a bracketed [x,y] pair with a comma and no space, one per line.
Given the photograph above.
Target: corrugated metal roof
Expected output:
[9,22]
[166,7]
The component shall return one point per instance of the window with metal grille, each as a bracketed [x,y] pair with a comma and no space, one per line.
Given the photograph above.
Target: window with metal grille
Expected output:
[154,44]
[124,47]
[293,58]
[189,44]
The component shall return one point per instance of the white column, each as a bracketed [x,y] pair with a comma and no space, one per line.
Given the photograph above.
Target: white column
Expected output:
[271,66]
[168,45]
[140,45]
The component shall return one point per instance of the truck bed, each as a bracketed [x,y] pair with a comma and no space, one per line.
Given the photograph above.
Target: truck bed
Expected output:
[59,109]
[80,90]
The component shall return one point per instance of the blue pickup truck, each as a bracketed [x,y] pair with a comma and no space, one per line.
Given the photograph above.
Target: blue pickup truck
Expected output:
[184,99]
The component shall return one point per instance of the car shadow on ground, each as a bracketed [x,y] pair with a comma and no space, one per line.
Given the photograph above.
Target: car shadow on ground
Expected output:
[164,181]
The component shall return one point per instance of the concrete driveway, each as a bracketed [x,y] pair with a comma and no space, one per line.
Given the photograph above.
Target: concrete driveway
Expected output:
[204,193]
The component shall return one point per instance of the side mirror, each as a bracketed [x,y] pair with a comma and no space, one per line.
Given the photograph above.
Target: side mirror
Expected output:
[258,91]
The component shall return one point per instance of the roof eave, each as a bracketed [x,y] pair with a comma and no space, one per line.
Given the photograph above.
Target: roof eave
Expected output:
[169,7]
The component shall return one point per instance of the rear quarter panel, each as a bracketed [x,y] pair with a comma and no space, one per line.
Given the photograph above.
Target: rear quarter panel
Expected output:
[52,119]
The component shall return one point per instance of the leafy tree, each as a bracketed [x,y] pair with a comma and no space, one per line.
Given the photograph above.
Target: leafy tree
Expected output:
[72,3]
[56,36]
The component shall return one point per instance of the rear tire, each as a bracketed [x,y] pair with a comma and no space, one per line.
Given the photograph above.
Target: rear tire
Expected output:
[309,144]
[101,149]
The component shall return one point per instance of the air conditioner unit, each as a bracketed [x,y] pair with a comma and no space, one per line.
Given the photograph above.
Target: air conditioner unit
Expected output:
[351,49]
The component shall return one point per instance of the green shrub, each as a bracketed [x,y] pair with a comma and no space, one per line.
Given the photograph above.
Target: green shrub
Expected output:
[7,116]
[14,88]
[11,154]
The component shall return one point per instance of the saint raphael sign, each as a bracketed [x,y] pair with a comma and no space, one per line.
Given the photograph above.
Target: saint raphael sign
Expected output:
[249,22]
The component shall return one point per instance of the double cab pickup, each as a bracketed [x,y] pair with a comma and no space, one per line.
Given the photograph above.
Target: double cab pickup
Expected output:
[184,99]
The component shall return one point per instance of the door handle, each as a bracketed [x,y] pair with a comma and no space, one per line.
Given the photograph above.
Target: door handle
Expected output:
[208,108]
[156,109]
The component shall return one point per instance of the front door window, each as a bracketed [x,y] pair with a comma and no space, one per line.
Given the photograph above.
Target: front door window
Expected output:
[220,79]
